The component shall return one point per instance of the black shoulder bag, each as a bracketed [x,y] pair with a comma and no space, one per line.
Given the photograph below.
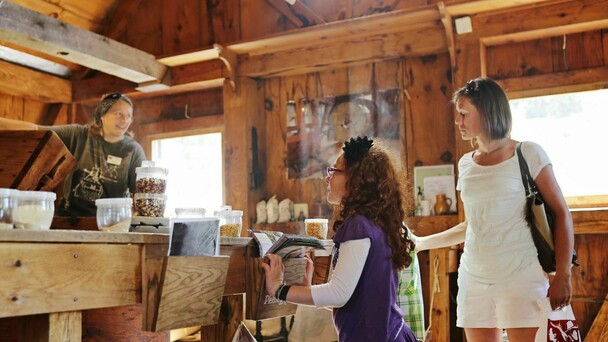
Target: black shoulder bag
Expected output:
[539,218]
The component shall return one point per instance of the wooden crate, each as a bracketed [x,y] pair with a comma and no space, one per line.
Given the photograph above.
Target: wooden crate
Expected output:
[182,291]
[33,160]
[260,305]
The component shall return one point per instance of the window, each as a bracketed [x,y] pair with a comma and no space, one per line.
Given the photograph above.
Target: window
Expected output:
[571,128]
[195,171]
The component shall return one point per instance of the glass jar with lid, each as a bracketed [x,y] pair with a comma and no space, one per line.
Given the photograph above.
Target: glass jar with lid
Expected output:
[151,179]
[114,214]
[8,202]
[34,210]
[150,205]
[231,221]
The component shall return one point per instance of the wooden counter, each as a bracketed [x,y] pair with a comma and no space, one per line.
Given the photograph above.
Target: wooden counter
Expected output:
[51,277]
[54,281]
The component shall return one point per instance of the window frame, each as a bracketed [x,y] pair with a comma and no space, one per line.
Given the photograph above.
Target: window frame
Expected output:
[522,87]
[181,128]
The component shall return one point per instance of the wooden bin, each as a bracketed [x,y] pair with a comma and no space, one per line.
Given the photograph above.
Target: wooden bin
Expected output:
[260,305]
[36,160]
[182,291]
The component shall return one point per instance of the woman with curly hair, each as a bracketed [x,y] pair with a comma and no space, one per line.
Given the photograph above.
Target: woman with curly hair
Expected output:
[370,249]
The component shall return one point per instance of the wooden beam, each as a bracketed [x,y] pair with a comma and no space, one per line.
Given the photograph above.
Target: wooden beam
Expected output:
[446,20]
[230,61]
[474,7]
[556,83]
[518,37]
[184,78]
[23,82]
[590,221]
[70,14]
[555,15]
[329,34]
[423,41]
[298,14]
[21,26]
[599,328]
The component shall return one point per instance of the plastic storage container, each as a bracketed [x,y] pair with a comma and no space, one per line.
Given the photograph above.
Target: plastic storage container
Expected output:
[8,202]
[151,179]
[231,221]
[316,227]
[114,214]
[150,205]
[34,210]
[190,212]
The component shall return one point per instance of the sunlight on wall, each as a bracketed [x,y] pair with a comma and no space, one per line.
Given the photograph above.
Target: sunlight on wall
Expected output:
[195,171]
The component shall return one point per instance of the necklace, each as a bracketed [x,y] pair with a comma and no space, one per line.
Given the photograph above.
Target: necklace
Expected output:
[487,153]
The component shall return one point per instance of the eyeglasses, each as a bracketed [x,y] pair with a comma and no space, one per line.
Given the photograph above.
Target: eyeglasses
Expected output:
[331,170]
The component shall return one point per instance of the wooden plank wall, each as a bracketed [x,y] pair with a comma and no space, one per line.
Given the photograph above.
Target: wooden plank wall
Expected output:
[19,108]
[426,81]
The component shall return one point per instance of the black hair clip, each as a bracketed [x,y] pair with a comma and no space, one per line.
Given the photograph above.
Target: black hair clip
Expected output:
[355,148]
[471,88]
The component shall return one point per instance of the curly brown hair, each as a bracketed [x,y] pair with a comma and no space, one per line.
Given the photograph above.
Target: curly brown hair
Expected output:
[375,190]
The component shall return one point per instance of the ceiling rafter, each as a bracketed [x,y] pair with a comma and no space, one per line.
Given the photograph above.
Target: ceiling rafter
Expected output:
[33,30]
[298,14]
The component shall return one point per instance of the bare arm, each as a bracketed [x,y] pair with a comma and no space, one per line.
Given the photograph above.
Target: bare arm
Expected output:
[560,290]
[450,237]
[13,125]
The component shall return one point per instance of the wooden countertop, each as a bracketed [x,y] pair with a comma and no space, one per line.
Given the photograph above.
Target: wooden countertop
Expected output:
[80,236]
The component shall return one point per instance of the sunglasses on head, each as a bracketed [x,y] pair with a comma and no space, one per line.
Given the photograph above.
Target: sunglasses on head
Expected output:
[113,96]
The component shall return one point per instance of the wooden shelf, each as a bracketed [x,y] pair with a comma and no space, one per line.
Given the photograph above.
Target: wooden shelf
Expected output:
[427,225]
[292,227]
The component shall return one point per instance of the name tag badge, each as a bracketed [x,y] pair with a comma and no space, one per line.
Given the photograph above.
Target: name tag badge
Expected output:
[114,160]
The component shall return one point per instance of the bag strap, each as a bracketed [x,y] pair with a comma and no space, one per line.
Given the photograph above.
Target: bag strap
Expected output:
[526,178]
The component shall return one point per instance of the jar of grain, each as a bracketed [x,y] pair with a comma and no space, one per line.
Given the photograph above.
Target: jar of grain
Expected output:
[316,227]
[151,179]
[231,221]
[150,205]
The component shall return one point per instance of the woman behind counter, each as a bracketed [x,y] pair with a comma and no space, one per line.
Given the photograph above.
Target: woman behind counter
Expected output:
[106,154]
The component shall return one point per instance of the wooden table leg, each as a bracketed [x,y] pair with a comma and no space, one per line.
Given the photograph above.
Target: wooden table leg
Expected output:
[53,327]
[231,316]
[65,326]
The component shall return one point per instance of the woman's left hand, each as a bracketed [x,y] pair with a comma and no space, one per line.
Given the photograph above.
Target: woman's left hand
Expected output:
[310,271]
[560,291]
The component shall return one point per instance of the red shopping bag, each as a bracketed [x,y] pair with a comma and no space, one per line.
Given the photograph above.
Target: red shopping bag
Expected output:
[559,326]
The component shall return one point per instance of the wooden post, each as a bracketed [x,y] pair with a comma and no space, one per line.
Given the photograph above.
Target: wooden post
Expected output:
[440,292]
[242,110]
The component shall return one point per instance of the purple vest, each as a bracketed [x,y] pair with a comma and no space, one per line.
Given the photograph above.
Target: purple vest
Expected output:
[371,313]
